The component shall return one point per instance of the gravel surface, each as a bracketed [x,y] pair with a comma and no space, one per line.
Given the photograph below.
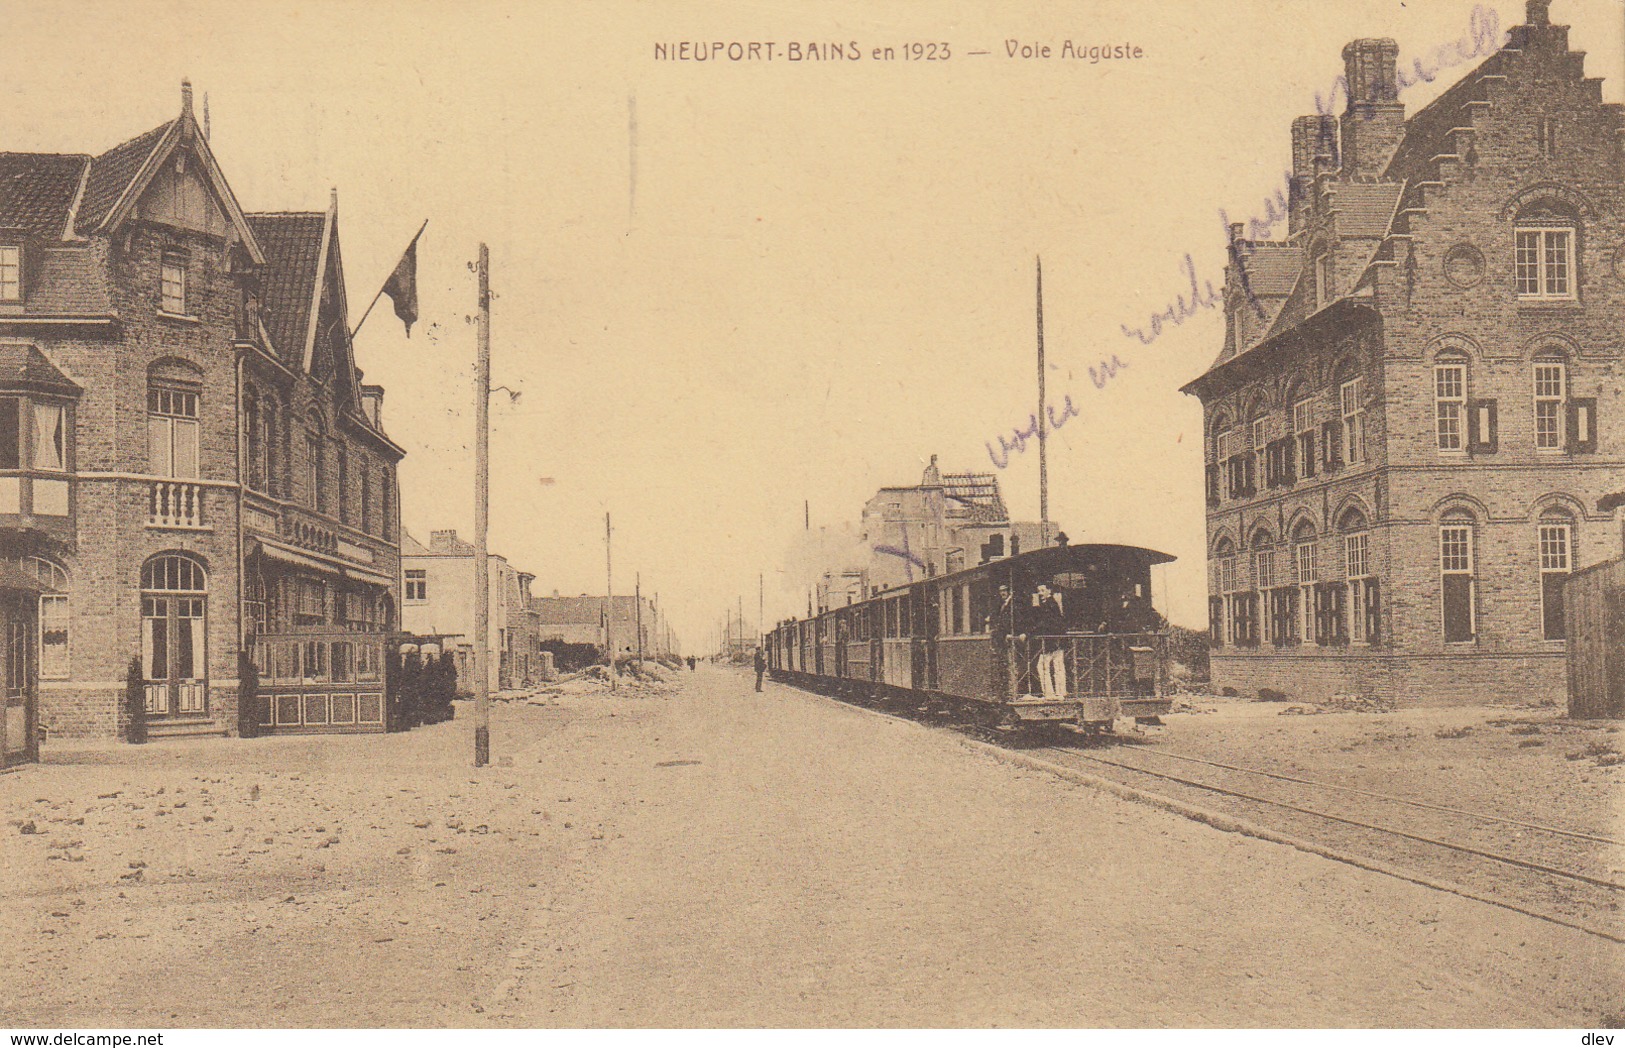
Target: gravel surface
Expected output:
[708,857]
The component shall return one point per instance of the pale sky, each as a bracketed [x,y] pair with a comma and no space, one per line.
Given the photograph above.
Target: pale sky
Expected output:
[791,281]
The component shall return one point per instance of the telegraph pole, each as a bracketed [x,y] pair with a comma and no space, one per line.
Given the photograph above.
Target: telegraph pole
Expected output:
[1043,423]
[482,508]
[761,618]
[637,607]
[609,604]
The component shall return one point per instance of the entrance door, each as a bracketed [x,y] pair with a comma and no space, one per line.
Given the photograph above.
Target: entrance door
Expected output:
[19,678]
[174,623]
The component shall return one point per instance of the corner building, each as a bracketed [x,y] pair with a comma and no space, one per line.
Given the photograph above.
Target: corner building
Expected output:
[190,466]
[1414,431]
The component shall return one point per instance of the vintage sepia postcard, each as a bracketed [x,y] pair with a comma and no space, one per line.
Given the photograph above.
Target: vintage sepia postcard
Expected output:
[525,514]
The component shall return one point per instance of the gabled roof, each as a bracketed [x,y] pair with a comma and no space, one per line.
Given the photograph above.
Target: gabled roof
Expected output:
[292,242]
[112,173]
[37,191]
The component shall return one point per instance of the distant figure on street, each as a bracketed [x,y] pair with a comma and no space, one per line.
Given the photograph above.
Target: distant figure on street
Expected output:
[761,667]
[691,664]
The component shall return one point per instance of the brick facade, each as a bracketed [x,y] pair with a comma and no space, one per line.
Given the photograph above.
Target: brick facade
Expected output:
[1442,331]
[147,290]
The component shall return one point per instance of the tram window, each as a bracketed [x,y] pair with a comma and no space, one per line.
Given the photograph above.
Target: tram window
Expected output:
[907,623]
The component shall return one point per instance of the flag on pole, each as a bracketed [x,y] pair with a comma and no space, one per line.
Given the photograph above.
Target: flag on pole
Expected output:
[402,285]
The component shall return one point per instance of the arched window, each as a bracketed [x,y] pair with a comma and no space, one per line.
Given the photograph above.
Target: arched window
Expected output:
[1555,534]
[1219,450]
[315,464]
[1306,577]
[1364,612]
[1550,389]
[1264,581]
[174,631]
[173,391]
[1301,424]
[1458,568]
[1450,403]
[1546,250]
[1220,605]
[54,620]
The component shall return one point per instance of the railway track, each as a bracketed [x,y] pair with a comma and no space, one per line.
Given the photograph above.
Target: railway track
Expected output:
[1560,874]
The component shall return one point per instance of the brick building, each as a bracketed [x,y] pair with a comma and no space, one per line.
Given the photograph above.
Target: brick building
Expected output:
[1414,426]
[190,466]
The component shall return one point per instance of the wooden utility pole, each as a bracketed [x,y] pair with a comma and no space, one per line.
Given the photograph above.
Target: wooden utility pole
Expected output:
[482,507]
[1043,424]
[637,608]
[761,617]
[609,604]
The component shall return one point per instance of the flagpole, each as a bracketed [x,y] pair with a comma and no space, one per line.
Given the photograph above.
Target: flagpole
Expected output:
[385,284]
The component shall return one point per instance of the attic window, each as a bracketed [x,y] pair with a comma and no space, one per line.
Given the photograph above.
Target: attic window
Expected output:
[173,297]
[11,273]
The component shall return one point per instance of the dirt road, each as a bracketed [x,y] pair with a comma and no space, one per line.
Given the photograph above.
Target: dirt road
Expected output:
[712,857]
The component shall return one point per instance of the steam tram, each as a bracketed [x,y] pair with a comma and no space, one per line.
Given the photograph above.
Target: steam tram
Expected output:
[975,640]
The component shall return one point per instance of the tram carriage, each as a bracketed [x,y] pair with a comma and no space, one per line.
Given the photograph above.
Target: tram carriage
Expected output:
[954,638]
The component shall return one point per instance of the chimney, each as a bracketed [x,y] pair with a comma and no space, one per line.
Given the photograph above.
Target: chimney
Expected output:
[1538,12]
[1313,137]
[1374,121]
[443,541]
[372,402]
[933,476]
[186,97]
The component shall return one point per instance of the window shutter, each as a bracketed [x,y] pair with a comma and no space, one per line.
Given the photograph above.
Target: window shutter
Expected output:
[1373,612]
[1289,473]
[1213,484]
[1481,427]
[1308,440]
[1249,465]
[1331,444]
[1338,612]
[1582,426]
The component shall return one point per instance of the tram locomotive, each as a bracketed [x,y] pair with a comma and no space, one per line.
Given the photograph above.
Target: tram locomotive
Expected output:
[1066,634]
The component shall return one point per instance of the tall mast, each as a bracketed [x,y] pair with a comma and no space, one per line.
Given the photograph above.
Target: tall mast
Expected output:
[1043,423]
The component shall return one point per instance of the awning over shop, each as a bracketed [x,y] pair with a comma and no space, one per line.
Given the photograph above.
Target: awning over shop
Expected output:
[316,562]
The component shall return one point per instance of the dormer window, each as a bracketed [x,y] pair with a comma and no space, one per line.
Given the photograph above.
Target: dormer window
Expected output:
[173,293]
[11,273]
[1545,263]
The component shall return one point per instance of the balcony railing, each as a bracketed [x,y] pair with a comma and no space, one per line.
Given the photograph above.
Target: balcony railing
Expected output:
[175,504]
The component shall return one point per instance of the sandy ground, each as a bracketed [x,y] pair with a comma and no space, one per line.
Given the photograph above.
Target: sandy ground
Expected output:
[709,857]
[1524,762]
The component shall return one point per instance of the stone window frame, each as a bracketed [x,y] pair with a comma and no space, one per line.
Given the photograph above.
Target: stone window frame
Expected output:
[1458,556]
[1558,403]
[1554,556]
[1455,397]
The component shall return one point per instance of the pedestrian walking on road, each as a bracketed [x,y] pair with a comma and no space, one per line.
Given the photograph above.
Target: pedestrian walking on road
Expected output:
[761,667]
